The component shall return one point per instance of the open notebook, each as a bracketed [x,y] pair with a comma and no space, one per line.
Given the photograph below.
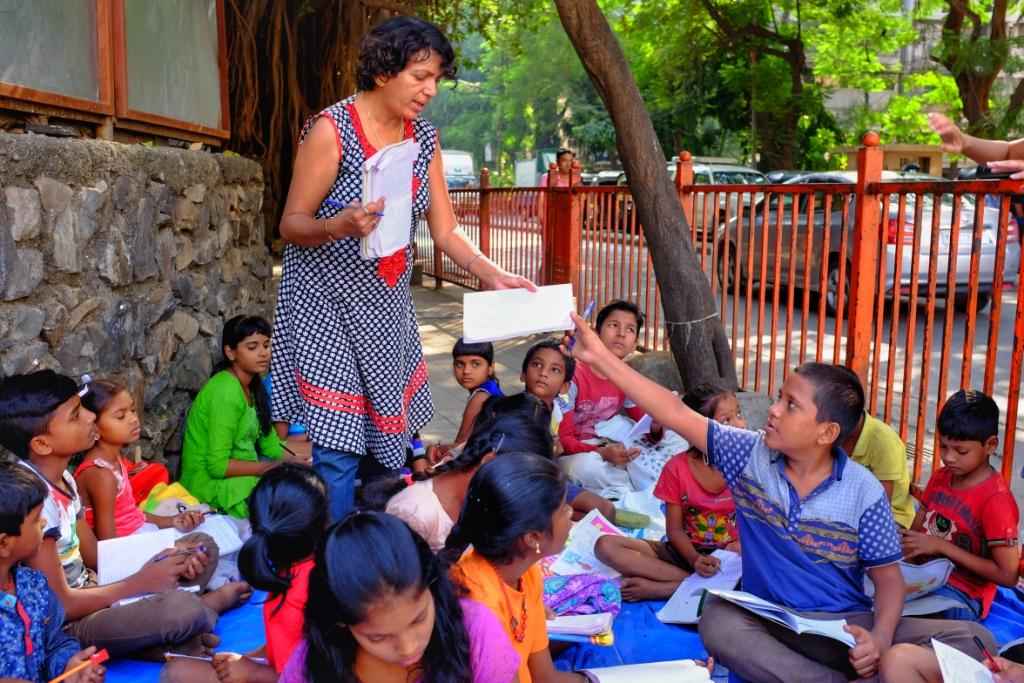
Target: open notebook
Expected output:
[677,671]
[830,628]
[684,605]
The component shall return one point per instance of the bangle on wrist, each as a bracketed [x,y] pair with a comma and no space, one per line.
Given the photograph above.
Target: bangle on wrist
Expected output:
[323,222]
[471,261]
[588,676]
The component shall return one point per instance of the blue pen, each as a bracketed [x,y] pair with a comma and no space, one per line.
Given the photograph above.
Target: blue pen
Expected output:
[338,205]
[587,312]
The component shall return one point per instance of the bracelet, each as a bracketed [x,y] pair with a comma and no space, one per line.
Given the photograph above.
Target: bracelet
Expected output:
[471,262]
[588,676]
[330,236]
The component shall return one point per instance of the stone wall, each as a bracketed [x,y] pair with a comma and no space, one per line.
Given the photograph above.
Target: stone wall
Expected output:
[126,260]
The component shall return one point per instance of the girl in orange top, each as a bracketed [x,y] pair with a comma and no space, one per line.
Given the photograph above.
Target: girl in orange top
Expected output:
[515,514]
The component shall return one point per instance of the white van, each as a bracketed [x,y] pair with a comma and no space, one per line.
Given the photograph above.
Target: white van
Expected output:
[459,170]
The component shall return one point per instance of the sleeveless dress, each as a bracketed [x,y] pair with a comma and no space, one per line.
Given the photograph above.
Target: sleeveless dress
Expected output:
[127,516]
[347,360]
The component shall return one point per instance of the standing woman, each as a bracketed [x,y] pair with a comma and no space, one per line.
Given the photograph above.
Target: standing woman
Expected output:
[347,357]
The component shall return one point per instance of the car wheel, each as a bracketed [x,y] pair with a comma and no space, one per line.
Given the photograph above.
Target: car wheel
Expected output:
[832,287]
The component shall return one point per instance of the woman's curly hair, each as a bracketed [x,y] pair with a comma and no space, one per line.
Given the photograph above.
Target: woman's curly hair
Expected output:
[388,49]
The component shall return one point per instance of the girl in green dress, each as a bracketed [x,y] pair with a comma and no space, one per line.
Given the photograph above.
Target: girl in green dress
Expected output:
[229,438]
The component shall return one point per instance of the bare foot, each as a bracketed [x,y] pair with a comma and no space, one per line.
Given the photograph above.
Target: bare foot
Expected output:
[228,596]
[199,646]
[636,589]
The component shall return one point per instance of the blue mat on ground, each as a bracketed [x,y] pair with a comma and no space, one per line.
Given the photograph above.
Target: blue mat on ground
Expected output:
[240,630]
[639,637]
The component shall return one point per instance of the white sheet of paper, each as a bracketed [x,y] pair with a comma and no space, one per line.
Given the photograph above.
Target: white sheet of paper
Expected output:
[388,175]
[641,429]
[510,313]
[677,671]
[582,624]
[682,607]
[119,558]
[959,668]
[578,556]
[223,531]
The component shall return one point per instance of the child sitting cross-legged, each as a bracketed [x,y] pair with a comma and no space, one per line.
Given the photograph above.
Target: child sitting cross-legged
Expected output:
[102,476]
[700,515]
[230,440]
[288,514]
[968,513]
[35,648]
[43,422]
[596,464]
[812,522]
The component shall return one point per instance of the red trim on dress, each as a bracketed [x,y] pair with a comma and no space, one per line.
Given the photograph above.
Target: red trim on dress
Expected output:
[354,404]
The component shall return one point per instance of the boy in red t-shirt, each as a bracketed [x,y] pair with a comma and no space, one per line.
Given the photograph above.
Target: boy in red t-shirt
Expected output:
[968,513]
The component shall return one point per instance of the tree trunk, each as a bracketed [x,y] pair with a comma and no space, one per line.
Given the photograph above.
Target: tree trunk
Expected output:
[696,332]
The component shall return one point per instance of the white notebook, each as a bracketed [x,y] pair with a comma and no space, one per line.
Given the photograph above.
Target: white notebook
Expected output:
[582,624]
[830,628]
[678,671]
[119,558]
[388,175]
[957,667]
[510,313]
[684,605]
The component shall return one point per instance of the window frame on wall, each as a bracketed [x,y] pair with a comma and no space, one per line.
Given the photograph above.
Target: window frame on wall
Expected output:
[104,104]
[127,116]
[111,110]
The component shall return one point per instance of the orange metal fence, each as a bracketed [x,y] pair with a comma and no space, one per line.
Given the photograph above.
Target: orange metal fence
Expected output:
[868,273]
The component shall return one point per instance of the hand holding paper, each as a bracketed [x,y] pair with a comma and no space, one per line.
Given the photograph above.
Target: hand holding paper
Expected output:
[509,313]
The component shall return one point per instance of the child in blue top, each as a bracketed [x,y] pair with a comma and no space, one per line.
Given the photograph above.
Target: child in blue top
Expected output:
[34,646]
[813,523]
[473,366]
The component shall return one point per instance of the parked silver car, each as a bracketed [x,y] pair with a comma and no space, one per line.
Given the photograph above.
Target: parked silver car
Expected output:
[727,242]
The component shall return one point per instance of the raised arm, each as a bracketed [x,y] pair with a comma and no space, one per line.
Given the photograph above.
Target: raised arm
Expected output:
[661,404]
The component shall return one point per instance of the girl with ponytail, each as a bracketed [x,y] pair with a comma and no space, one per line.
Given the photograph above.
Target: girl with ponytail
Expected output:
[229,438]
[382,610]
[288,514]
[429,502]
[515,514]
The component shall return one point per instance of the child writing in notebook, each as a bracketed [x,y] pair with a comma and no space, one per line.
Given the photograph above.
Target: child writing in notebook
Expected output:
[700,514]
[42,421]
[35,647]
[968,513]
[102,476]
[382,610]
[813,524]
[288,514]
